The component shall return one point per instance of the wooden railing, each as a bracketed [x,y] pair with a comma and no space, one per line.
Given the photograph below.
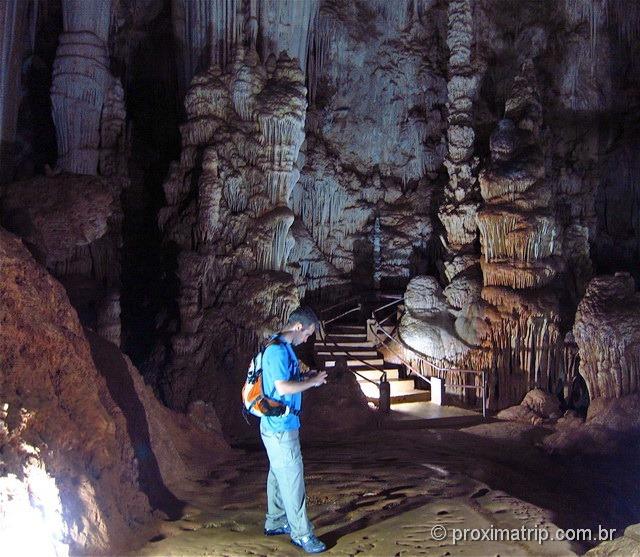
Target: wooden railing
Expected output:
[390,342]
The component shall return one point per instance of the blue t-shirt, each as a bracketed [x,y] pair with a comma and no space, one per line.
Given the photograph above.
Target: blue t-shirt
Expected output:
[280,362]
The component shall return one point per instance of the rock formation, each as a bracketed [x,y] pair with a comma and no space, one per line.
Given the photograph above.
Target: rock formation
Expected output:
[72,224]
[513,330]
[80,434]
[611,425]
[461,195]
[55,401]
[356,226]
[338,409]
[375,132]
[428,325]
[89,117]
[208,31]
[84,94]
[227,212]
[607,332]
[536,407]
[521,247]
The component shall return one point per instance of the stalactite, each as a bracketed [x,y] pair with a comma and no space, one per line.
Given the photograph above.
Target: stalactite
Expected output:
[287,25]
[208,31]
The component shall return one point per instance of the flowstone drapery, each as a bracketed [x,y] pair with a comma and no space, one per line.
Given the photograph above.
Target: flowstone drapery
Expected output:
[375,141]
[227,213]
[208,30]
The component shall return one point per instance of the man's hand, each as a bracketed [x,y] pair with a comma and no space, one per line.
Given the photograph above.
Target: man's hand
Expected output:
[292,387]
[318,378]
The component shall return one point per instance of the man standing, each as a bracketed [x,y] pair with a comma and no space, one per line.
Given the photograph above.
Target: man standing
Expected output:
[282,381]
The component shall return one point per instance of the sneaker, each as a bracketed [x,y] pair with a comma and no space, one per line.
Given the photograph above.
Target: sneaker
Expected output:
[310,544]
[286,529]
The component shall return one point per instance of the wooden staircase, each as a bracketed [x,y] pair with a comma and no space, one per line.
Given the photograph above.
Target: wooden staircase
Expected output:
[349,341]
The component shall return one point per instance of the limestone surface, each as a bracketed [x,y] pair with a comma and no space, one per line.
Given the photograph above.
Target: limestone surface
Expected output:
[607,332]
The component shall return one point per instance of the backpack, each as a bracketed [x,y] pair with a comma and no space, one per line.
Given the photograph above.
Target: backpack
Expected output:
[253,398]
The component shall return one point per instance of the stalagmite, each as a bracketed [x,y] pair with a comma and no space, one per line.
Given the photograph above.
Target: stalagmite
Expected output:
[521,243]
[246,125]
[607,332]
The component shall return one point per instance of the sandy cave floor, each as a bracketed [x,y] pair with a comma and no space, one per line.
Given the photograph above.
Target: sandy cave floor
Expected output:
[382,494]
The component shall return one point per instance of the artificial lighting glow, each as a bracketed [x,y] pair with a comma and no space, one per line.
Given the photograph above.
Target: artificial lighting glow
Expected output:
[31,520]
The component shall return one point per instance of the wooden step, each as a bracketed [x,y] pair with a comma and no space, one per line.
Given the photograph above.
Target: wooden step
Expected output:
[351,337]
[376,362]
[337,352]
[347,329]
[344,344]
[415,396]
[399,387]
[374,374]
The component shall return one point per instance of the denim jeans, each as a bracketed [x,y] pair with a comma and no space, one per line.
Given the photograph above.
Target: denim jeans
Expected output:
[286,499]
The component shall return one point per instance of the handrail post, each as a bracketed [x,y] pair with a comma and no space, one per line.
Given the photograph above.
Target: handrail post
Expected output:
[484,394]
[384,400]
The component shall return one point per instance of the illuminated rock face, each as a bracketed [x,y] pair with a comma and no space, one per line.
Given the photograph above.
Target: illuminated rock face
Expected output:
[607,332]
[31,520]
[227,211]
[55,395]
[85,444]
[429,326]
[374,144]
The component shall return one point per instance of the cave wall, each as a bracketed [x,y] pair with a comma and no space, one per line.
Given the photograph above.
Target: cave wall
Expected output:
[400,106]
[547,166]
[374,143]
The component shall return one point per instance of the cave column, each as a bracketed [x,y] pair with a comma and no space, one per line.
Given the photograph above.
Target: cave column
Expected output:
[458,210]
[80,84]
[90,119]
[521,240]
